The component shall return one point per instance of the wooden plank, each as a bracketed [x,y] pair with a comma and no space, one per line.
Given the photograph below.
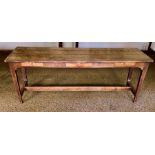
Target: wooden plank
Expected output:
[83,55]
[77,88]
[80,65]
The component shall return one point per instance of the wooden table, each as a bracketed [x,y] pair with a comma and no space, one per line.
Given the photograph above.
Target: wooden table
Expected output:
[24,57]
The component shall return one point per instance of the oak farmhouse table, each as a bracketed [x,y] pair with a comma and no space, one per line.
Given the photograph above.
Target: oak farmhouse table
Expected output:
[25,57]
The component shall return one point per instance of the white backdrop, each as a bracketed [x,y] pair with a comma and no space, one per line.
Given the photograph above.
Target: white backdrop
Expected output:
[12,45]
[140,45]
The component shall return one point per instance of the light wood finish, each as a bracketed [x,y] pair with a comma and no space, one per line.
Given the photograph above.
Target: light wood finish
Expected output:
[140,81]
[77,55]
[77,88]
[24,57]
[16,82]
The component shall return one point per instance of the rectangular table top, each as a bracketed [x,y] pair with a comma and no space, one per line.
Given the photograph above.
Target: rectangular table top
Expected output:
[47,54]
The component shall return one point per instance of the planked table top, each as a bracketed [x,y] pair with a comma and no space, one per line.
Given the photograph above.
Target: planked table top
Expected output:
[47,54]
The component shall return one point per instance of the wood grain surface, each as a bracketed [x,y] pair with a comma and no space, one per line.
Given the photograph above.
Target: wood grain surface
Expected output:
[45,54]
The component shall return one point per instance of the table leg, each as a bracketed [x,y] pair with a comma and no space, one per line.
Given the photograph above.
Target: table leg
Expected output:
[129,76]
[140,81]
[16,81]
[24,75]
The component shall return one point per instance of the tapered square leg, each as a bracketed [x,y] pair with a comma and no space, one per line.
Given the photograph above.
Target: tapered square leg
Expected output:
[141,80]
[16,81]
